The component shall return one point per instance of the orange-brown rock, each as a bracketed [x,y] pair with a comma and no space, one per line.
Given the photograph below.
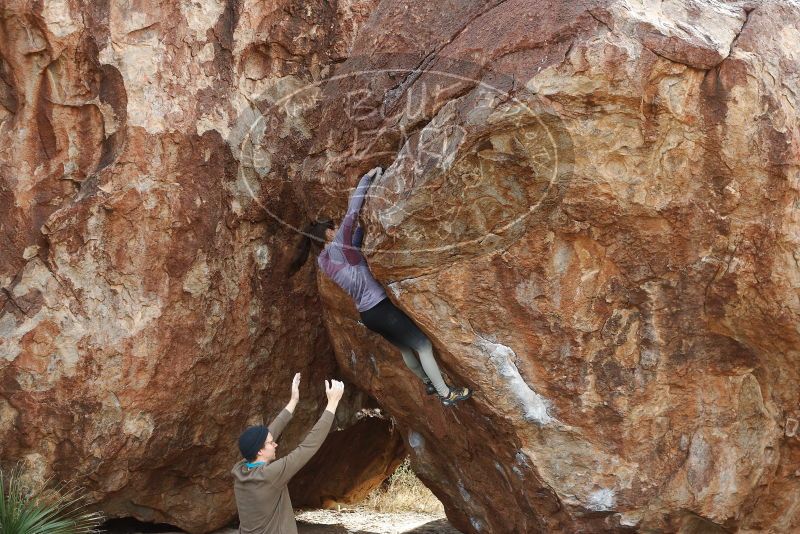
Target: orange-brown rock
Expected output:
[594,219]
[146,318]
[590,207]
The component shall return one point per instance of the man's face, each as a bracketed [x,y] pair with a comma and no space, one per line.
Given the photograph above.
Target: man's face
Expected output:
[267,452]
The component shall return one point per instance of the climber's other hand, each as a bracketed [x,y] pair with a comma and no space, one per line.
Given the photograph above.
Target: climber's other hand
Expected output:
[375,173]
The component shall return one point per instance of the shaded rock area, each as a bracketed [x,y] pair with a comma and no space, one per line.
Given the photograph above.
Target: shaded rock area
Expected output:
[589,207]
[349,465]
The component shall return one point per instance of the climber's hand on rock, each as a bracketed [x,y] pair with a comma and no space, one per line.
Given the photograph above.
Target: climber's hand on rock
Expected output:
[334,391]
[375,173]
[295,393]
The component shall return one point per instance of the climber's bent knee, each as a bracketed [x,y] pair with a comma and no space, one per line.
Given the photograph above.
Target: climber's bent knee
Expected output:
[422,345]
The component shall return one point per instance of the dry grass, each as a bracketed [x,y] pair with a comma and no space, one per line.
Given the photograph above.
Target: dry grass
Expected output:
[403,492]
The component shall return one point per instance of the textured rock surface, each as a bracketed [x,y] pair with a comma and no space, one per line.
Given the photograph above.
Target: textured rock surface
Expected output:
[633,339]
[146,318]
[590,207]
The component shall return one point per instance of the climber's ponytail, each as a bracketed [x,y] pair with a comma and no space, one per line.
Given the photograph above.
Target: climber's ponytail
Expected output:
[313,235]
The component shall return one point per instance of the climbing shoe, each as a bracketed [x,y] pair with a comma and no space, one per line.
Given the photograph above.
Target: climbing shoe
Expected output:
[456,395]
[429,389]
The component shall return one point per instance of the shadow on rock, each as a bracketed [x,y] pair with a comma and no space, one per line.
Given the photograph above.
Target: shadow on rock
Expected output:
[440,526]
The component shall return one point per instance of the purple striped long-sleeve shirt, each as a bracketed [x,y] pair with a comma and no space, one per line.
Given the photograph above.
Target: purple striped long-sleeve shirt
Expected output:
[342,261]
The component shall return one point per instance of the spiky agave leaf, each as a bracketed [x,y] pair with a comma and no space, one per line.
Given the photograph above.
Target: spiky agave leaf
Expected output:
[59,511]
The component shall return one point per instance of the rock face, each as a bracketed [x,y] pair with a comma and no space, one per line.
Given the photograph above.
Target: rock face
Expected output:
[592,213]
[589,207]
[146,316]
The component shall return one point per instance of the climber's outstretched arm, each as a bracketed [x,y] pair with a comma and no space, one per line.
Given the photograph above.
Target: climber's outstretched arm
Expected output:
[344,236]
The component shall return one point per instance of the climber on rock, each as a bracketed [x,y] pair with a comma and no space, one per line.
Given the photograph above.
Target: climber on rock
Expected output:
[260,481]
[343,262]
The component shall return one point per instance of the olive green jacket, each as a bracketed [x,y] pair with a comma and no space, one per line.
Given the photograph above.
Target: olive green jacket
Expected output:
[262,496]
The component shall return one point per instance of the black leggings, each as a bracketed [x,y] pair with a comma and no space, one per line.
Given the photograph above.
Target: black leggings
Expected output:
[398,329]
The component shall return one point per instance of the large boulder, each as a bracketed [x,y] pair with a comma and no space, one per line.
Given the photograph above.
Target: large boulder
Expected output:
[146,313]
[591,210]
[588,206]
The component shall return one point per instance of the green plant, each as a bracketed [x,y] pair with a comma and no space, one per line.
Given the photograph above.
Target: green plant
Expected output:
[24,510]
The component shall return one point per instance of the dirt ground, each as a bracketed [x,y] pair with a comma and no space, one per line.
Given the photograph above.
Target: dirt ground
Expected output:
[356,521]
[346,521]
